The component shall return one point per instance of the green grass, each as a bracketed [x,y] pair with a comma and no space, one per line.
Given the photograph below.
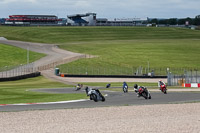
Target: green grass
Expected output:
[86,34]
[127,56]
[118,48]
[16,91]
[13,56]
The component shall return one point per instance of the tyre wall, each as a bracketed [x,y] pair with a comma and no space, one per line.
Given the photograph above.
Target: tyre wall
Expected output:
[31,75]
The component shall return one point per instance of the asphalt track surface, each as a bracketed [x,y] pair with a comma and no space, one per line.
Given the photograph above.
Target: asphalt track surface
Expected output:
[112,99]
[53,53]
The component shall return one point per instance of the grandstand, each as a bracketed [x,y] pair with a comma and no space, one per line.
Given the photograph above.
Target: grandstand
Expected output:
[32,20]
[121,22]
[88,19]
[2,21]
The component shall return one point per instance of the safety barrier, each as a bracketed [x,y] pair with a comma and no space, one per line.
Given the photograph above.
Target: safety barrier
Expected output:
[30,75]
[197,85]
[111,76]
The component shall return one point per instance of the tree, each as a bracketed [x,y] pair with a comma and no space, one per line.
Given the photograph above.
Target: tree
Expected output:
[197,21]
[181,21]
[172,21]
[163,21]
[189,20]
[154,21]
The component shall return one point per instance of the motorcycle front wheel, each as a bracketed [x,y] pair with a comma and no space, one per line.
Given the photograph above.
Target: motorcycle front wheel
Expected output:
[149,96]
[103,99]
[144,95]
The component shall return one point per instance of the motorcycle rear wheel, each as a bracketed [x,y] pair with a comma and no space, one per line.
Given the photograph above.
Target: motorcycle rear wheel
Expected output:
[94,97]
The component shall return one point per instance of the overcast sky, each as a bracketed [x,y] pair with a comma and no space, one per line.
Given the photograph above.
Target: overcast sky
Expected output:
[104,8]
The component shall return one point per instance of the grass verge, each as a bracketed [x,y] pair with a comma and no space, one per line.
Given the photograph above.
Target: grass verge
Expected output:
[16,91]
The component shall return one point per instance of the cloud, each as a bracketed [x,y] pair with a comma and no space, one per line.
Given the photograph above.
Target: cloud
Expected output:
[11,1]
[103,8]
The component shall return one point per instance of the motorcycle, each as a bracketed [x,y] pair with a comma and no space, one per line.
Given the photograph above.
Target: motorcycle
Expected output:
[108,85]
[125,87]
[144,92]
[94,94]
[163,88]
[79,86]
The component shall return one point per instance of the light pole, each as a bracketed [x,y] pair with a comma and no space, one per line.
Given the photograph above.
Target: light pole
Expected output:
[148,66]
[21,69]
[6,71]
[28,54]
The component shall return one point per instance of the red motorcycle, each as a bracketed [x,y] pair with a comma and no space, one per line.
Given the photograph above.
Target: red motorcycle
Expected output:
[163,88]
[144,92]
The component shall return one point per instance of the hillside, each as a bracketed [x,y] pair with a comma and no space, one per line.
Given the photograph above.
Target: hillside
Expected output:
[118,48]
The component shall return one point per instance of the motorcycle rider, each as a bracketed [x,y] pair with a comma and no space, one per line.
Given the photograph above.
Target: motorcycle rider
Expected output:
[160,82]
[125,84]
[79,86]
[108,85]
[89,91]
[136,88]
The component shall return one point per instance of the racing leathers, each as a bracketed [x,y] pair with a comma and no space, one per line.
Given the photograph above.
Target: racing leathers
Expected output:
[136,89]
[160,83]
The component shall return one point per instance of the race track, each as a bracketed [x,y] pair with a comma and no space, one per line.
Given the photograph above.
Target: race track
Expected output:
[112,99]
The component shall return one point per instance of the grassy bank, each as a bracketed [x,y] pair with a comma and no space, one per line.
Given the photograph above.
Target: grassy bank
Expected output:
[126,56]
[122,48]
[86,34]
[19,91]
[13,56]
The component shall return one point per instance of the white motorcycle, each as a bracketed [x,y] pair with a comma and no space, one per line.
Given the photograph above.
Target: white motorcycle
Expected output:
[94,94]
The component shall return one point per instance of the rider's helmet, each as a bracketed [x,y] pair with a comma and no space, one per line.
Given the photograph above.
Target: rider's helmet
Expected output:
[135,86]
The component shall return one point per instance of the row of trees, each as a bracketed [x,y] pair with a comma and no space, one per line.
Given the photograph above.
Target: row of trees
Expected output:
[175,21]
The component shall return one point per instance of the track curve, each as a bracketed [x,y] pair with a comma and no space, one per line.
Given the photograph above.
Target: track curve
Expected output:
[112,99]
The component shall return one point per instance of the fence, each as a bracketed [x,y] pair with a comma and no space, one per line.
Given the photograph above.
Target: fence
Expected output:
[137,71]
[192,76]
[59,62]
[14,71]
[176,76]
